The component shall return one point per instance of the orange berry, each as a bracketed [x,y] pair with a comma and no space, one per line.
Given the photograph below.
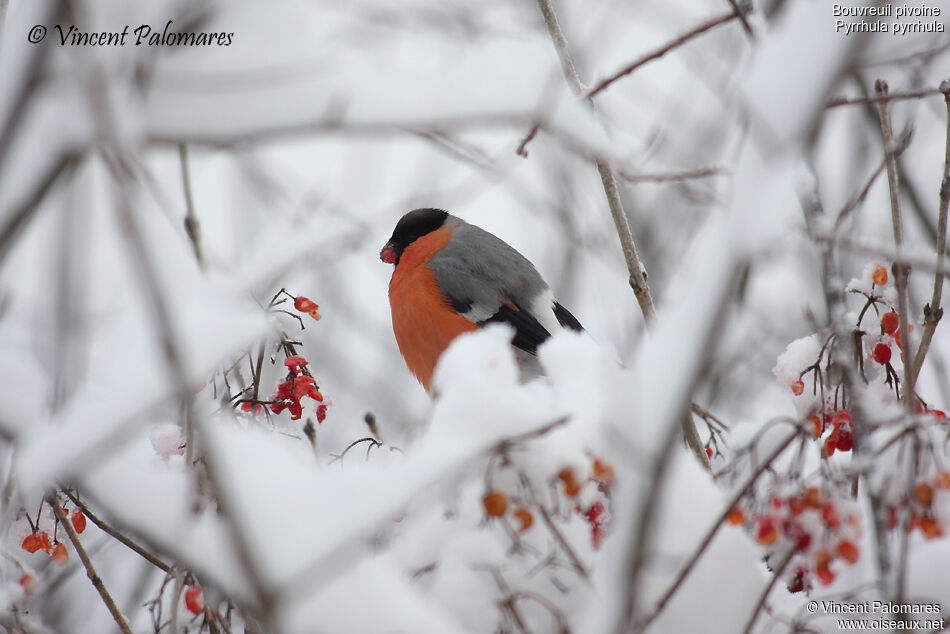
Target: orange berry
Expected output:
[525,517]
[879,277]
[797,387]
[930,528]
[195,599]
[942,480]
[825,576]
[816,426]
[823,559]
[736,517]
[495,503]
[889,323]
[813,498]
[78,520]
[28,583]
[924,494]
[60,554]
[603,471]
[571,486]
[848,551]
[37,541]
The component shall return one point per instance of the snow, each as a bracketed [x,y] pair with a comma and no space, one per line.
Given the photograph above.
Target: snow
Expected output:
[307,139]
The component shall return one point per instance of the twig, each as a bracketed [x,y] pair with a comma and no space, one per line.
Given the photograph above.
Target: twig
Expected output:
[117,535]
[879,99]
[768,589]
[901,270]
[933,311]
[509,597]
[902,144]
[666,48]
[87,563]
[192,227]
[714,529]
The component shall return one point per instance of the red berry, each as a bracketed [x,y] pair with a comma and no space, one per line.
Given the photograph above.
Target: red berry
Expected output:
[708,451]
[829,515]
[798,387]
[78,520]
[296,410]
[882,353]
[843,440]
[305,305]
[889,323]
[796,505]
[829,447]
[321,413]
[767,533]
[295,361]
[736,517]
[848,551]
[60,554]
[195,599]
[597,514]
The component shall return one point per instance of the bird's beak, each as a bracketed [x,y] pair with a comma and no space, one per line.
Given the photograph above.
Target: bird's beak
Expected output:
[388,254]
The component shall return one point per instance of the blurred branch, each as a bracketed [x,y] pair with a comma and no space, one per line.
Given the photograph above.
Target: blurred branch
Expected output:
[881,98]
[932,311]
[20,215]
[192,228]
[901,270]
[845,213]
[703,172]
[87,563]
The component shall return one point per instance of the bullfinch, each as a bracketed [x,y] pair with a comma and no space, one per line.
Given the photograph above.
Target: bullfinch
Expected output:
[452,277]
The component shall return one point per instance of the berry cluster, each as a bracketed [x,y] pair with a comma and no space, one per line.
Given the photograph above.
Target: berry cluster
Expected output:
[297,386]
[821,531]
[590,503]
[39,539]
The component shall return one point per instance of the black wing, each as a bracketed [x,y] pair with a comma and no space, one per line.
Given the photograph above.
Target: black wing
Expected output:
[529,333]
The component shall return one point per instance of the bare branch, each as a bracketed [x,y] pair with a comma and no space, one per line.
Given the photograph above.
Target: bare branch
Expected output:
[87,563]
[933,311]
[901,270]
[708,25]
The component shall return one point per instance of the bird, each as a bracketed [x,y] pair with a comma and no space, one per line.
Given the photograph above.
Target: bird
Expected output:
[452,277]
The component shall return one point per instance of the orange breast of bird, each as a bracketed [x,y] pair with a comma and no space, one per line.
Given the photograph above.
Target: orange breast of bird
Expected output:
[423,320]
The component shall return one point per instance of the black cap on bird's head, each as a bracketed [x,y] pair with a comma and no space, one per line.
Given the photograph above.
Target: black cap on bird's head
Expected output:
[410,228]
